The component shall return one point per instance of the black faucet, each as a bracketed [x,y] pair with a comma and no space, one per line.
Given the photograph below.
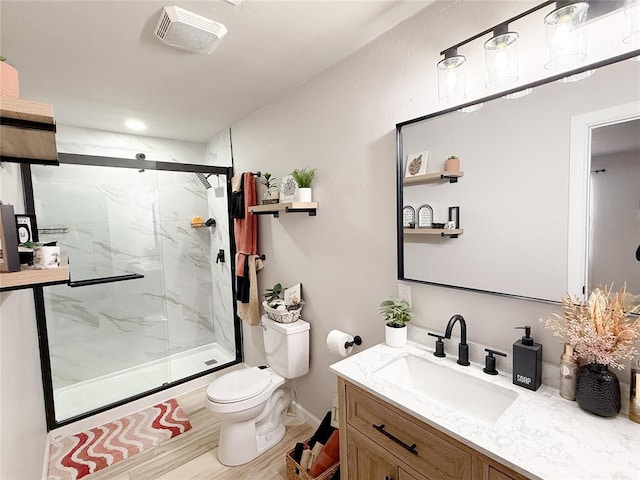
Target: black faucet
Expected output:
[463,348]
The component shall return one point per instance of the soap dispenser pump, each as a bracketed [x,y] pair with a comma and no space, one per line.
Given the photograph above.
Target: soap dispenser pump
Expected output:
[527,361]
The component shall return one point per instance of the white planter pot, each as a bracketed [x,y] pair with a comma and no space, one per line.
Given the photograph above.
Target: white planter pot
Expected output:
[395,337]
[304,194]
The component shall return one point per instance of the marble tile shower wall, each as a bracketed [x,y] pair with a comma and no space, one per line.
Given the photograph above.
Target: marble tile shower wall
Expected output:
[183,302]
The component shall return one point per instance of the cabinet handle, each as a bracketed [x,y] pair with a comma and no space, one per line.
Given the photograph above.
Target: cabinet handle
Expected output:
[380,428]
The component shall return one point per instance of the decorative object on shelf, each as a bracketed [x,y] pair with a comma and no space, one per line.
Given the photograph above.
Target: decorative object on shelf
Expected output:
[412,224]
[452,164]
[454,216]
[408,216]
[45,257]
[602,331]
[397,313]
[25,227]
[438,226]
[450,225]
[272,194]
[568,373]
[416,164]
[9,81]
[303,178]
[285,310]
[9,257]
[425,216]
[288,189]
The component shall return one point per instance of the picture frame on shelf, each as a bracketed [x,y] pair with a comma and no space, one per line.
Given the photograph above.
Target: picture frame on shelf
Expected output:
[288,189]
[25,228]
[408,216]
[425,216]
[454,216]
[416,164]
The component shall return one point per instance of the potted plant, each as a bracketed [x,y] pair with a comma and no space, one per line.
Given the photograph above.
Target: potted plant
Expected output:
[9,79]
[452,164]
[603,332]
[303,177]
[272,193]
[397,313]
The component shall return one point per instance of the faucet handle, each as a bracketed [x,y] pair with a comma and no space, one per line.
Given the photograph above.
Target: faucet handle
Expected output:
[490,361]
[439,345]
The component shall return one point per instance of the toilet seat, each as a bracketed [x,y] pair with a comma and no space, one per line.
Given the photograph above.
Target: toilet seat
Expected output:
[239,385]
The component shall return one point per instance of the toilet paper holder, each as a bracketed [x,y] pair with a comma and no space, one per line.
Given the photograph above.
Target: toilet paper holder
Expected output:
[356,341]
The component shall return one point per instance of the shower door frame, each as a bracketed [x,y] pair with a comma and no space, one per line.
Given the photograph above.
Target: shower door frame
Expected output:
[38,294]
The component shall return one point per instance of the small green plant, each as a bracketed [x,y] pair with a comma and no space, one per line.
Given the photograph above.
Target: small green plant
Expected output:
[269,181]
[303,176]
[273,294]
[397,313]
[451,157]
[3,59]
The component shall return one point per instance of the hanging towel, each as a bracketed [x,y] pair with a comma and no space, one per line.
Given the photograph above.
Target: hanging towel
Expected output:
[246,238]
[250,311]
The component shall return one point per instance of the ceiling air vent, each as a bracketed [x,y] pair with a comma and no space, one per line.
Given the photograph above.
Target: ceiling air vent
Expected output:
[186,30]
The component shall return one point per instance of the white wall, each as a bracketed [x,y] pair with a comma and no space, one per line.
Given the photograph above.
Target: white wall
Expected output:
[342,122]
[22,417]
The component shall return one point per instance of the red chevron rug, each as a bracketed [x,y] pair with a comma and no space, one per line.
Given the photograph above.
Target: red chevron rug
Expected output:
[75,456]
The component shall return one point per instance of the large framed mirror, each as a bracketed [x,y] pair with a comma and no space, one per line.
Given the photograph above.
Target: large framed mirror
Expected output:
[537,216]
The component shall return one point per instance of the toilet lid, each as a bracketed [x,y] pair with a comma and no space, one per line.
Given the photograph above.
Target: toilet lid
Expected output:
[239,385]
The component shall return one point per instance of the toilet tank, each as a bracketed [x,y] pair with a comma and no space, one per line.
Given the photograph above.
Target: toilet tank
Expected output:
[286,346]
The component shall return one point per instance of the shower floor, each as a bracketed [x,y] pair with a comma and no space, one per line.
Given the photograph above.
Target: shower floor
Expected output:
[88,395]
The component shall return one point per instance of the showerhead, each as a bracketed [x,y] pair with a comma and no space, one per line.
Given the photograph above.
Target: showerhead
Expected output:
[203,178]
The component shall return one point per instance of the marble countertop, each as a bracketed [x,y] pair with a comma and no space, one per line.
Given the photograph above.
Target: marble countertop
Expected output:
[541,435]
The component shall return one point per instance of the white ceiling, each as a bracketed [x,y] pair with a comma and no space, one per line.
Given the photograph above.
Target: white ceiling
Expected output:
[99,62]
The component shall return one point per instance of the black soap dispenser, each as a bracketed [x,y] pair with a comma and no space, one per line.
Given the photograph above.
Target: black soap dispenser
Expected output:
[527,361]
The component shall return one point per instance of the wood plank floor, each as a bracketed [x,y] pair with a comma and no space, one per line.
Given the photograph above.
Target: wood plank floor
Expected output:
[192,455]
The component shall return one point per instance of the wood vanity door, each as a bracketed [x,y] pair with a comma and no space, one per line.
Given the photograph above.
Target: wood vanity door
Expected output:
[498,475]
[366,461]
[404,475]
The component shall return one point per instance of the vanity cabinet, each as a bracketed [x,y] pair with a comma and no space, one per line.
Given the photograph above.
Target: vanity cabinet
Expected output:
[379,441]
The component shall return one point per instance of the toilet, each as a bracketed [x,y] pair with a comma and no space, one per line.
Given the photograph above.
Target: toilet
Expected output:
[252,402]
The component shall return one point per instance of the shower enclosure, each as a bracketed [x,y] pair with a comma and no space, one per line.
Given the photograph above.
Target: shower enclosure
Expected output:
[150,300]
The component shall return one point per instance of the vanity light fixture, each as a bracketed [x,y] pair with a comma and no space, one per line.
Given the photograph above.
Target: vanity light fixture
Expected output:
[566,35]
[501,57]
[519,94]
[471,108]
[632,22]
[451,79]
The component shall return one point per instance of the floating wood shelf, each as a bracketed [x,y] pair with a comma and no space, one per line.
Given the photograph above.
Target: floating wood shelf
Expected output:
[27,132]
[29,277]
[443,232]
[451,177]
[291,207]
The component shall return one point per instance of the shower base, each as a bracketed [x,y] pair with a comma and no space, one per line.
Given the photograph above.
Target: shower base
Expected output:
[88,395]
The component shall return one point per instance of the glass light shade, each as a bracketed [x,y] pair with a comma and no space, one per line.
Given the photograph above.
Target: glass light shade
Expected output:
[632,22]
[501,60]
[451,79]
[566,36]
[577,77]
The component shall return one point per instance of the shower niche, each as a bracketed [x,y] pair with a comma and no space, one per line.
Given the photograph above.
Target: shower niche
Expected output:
[149,304]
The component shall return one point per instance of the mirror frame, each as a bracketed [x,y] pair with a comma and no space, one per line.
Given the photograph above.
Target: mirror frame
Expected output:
[400,167]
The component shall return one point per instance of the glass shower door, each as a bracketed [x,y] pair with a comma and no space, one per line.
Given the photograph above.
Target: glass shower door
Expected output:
[106,341]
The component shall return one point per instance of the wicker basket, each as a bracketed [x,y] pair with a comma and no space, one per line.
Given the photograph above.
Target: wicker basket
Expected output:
[295,472]
[281,316]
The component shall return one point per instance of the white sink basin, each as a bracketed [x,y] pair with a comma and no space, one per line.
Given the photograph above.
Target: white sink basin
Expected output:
[457,390]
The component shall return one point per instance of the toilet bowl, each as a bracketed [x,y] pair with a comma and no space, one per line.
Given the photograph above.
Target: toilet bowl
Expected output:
[252,402]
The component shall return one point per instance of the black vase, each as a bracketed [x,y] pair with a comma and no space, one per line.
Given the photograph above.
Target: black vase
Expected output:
[598,390]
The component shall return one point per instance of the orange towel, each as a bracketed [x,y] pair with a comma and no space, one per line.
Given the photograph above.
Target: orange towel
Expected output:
[246,229]
[329,455]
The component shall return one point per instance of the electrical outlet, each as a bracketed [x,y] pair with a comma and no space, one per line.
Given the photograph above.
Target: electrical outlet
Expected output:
[404,292]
